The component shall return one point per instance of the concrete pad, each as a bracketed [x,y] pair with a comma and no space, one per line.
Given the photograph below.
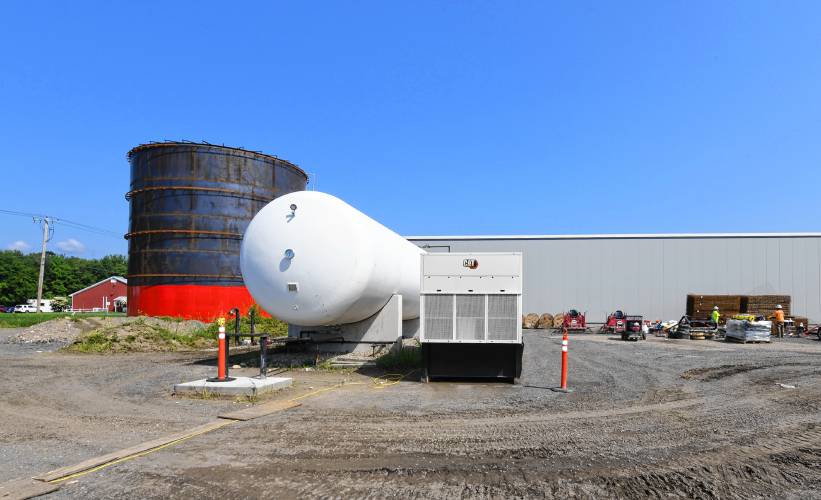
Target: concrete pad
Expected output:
[240,386]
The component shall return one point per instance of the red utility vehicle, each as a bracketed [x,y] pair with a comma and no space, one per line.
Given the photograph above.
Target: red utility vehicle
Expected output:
[574,321]
[633,328]
[615,323]
[629,327]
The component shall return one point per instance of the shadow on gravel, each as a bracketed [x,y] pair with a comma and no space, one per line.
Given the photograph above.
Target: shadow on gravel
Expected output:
[279,361]
[250,358]
[543,387]
[719,372]
[470,380]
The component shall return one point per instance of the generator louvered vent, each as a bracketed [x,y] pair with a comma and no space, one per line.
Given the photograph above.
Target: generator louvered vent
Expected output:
[439,317]
[502,317]
[470,317]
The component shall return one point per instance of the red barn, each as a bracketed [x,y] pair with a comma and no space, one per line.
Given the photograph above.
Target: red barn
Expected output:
[101,295]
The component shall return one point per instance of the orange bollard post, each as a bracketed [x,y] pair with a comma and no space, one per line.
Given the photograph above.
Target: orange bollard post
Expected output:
[222,362]
[565,342]
[222,355]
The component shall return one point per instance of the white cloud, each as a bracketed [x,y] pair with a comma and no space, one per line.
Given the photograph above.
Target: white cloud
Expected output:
[19,245]
[71,246]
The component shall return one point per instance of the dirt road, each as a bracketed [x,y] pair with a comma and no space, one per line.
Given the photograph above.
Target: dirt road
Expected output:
[671,418]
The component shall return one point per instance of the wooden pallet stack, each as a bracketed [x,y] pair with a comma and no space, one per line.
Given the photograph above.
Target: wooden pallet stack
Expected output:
[764,305]
[700,306]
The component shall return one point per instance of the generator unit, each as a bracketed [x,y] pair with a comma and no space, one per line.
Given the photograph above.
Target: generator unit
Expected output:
[470,315]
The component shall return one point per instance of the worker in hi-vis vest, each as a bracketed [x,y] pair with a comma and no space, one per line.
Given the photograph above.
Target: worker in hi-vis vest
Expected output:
[714,316]
[779,321]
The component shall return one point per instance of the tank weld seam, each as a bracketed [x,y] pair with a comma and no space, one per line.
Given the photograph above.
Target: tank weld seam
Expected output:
[183,231]
[229,192]
[175,275]
[181,250]
[189,215]
[212,180]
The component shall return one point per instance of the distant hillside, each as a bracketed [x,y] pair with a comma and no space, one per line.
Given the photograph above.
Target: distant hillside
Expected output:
[64,275]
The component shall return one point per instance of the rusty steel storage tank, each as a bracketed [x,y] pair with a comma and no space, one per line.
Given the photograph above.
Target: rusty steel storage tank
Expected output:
[189,206]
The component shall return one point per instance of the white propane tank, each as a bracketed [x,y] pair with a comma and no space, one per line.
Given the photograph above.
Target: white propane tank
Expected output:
[311,259]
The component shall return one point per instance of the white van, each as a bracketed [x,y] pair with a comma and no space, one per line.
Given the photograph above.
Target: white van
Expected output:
[45,305]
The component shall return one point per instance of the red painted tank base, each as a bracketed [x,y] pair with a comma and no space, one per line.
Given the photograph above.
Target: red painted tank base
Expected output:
[204,303]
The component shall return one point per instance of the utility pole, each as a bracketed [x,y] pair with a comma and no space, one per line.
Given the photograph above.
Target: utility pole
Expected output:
[45,221]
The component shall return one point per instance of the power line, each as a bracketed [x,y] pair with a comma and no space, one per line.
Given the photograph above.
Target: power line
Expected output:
[47,222]
[68,223]
[86,227]
[23,214]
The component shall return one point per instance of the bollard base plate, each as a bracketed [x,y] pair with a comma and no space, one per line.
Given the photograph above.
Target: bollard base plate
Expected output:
[240,386]
[215,379]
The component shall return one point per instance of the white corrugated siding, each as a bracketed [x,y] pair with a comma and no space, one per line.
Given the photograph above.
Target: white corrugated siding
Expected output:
[652,275]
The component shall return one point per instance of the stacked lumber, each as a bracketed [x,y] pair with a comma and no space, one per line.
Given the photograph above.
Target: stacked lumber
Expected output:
[545,321]
[700,306]
[764,305]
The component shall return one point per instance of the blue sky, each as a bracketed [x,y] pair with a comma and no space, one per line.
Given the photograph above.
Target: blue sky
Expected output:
[432,117]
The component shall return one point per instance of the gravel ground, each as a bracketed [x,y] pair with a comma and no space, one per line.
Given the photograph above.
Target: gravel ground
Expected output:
[61,330]
[659,418]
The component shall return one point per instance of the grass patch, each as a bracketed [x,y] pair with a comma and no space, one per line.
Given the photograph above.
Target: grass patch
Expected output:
[95,342]
[139,336]
[22,320]
[203,394]
[404,359]
[172,319]
[327,365]
[272,326]
[247,398]
[162,334]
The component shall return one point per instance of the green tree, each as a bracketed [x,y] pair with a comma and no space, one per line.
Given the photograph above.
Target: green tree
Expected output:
[18,277]
[63,275]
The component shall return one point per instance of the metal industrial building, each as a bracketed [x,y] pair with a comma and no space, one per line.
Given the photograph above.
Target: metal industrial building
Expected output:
[651,274]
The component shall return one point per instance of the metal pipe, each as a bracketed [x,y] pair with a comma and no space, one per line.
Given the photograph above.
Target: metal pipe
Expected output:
[252,318]
[263,356]
[237,319]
